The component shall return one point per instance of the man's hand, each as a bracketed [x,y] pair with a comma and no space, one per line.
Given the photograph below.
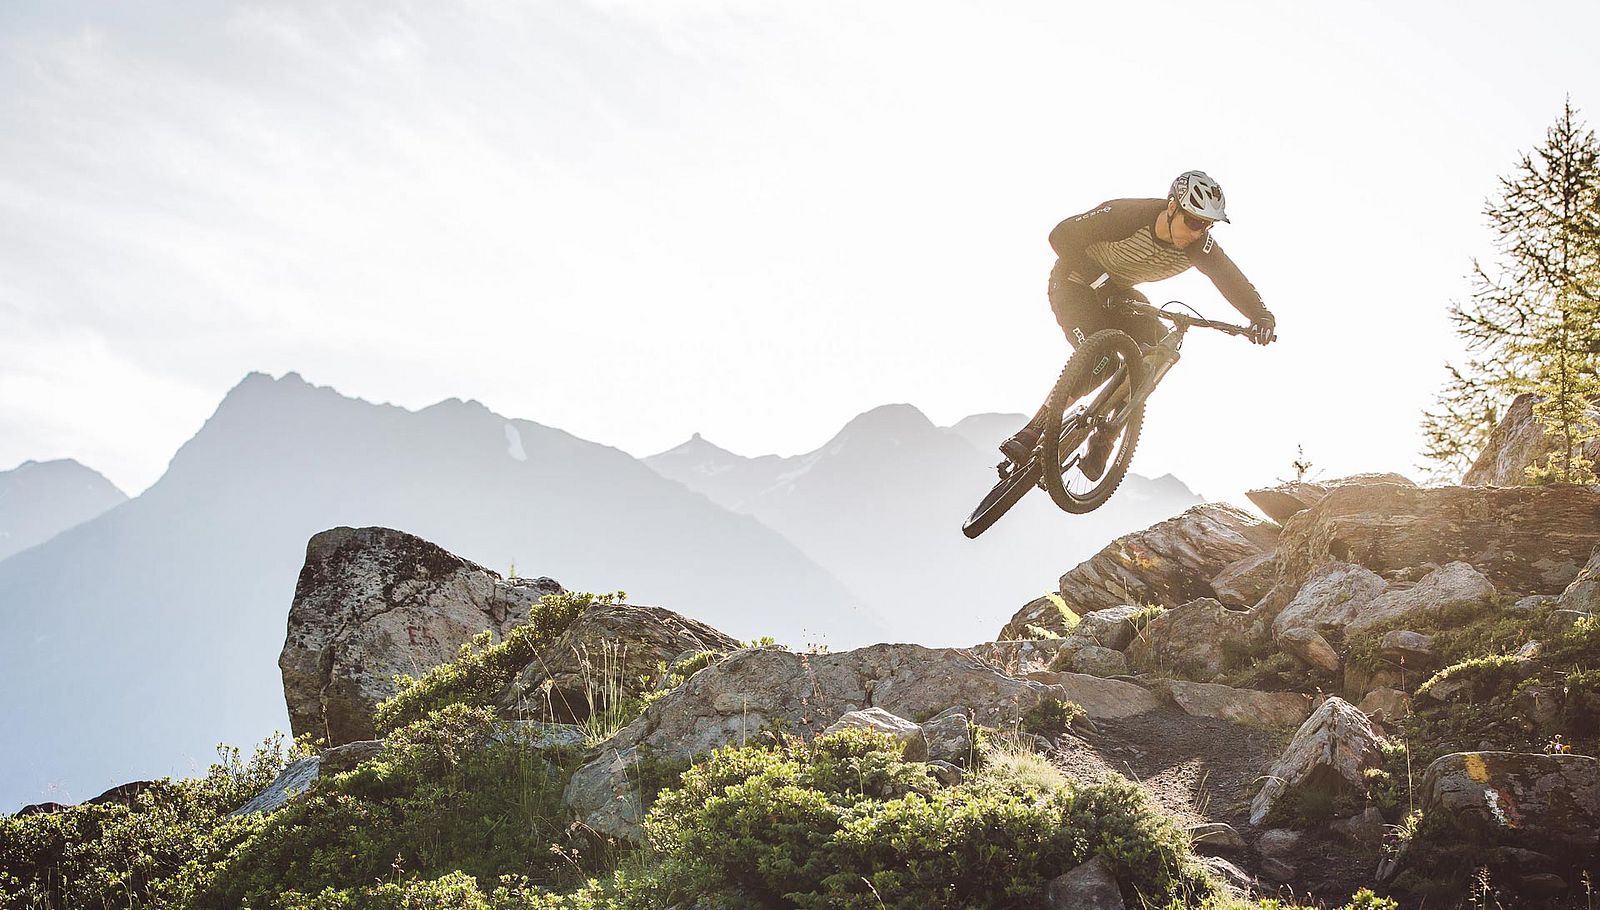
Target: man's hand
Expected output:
[1263,333]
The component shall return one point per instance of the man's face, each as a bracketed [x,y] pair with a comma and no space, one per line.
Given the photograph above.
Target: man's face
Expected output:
[1186,228]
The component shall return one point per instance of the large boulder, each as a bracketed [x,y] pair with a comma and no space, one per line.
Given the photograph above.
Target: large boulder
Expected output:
[1449,595]
[733,700]
[1546,803]
[372,603]
[1243,583]
[1525,540]
[909,735]
[1164,565]
[1518,442]
[1329,599]
[1583,595]
[1286,500]
[1331,752]
[1198,640]
[616,642]
[1090,886]
[1109,628]
[1108,699]
[1241,706]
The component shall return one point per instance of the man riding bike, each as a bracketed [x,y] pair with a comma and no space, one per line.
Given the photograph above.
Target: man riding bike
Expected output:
[1130,241]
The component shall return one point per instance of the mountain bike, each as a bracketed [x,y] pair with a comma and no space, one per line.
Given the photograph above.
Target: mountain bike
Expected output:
[1101,390]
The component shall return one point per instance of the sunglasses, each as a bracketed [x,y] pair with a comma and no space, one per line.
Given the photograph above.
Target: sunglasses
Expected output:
[1198,225]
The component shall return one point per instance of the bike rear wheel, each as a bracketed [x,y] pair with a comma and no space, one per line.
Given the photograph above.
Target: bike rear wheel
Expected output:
[1106,361]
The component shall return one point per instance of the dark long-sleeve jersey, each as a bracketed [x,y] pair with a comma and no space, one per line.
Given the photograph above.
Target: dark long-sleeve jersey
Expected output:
[1118,238]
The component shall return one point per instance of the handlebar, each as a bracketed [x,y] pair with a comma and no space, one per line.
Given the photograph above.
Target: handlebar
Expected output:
[1227,328]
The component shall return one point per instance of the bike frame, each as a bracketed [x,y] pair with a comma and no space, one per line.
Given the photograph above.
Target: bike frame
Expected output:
[1159,359]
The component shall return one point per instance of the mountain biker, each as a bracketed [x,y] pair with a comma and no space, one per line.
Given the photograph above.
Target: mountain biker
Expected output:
[1107,250]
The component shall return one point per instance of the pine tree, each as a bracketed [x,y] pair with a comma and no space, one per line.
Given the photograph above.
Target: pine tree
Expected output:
[1533,321]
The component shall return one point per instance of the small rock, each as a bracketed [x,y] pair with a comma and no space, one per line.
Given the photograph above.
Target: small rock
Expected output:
[1242,584]
[1448,688]
[1365,828]
[1411,649]
[1539,707]
[539,735]
[1238,883]
[908,734]
[1212,837]
[291,782]
[1091,886]
[1331,597]
[1241,706]
[1097,661]
[1309,648]
[1386,705]
[1278,870]
[949,737]
[1562,620]
[1535,601]
[946,773]
[1542,885]
[1279,842]
[344,758]
[1333,748]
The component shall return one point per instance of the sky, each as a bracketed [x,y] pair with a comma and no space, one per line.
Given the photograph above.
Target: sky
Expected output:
[640,219]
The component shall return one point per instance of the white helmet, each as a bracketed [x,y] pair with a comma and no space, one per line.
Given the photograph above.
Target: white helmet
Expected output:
[1198,195]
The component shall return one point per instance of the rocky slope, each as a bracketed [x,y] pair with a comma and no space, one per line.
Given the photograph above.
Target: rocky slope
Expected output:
[1269,686]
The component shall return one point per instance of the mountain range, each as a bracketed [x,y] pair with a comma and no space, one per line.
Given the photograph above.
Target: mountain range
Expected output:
[143,634]
[40,499]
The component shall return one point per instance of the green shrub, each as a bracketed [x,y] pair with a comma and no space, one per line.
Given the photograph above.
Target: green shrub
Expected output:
[1052,717]
[152,852]
[1489,675]
[665,681]
[786,822]
[444,795]
[481,671]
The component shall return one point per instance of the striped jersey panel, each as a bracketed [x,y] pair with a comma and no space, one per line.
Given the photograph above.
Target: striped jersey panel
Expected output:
[1135,259]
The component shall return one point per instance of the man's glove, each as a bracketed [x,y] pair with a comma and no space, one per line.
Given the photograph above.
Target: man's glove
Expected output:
[1264,330]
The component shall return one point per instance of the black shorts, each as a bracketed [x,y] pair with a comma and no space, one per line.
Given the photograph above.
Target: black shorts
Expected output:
[1081,311]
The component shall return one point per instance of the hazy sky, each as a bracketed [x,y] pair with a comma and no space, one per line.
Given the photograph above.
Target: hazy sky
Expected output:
[639,219]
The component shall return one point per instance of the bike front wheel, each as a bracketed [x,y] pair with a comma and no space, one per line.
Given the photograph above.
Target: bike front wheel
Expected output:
[1093,386]
[1000,499]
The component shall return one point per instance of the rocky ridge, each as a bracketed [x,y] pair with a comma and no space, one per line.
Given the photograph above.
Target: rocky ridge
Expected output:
[1273,725]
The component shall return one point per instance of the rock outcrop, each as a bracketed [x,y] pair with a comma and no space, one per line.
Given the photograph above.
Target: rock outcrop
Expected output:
[1286,500]
[1525,540]
[372,603]
[1449,595]
[735,699]
[1517,442]
[1164,565]
[618,641]
[1197,640]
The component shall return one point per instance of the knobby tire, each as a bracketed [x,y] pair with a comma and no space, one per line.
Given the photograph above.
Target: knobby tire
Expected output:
[1085,375]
